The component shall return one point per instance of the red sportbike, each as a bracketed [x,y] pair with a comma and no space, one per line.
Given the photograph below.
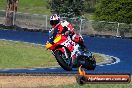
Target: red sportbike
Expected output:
[69,54]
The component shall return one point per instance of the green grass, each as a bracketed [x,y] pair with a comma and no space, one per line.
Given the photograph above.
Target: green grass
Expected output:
[34,6]
[3,4]
[22,55]
[30,6]
[98,57]
[89,16]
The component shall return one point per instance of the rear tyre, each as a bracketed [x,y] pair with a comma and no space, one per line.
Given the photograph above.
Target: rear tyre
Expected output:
[90,64]
[65,63]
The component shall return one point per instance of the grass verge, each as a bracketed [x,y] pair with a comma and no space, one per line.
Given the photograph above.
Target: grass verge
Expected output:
[29,6]
[22,55]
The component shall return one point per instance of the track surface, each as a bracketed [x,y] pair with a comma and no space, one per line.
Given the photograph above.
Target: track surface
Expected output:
[121,48]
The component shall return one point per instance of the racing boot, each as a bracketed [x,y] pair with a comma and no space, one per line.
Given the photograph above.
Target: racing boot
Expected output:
[84,49]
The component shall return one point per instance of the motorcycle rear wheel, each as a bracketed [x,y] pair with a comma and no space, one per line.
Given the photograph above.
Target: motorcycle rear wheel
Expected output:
[90,64]
[66,64]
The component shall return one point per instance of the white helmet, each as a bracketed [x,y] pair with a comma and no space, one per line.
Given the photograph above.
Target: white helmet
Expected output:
[54,19]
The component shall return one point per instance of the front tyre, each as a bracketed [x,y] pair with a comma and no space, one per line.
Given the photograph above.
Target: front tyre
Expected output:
[65,63]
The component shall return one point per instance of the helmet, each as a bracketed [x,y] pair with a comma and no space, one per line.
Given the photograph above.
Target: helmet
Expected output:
[54,19]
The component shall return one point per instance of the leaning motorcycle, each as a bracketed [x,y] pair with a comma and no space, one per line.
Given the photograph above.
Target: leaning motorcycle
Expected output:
[69,53]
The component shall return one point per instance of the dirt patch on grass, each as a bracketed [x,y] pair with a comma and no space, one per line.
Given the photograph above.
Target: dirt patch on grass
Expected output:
[35,81]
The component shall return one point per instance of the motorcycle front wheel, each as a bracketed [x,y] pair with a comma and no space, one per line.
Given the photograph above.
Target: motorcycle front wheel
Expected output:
[65,63]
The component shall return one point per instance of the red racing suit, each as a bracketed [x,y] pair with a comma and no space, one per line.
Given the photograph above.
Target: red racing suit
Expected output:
[62,28]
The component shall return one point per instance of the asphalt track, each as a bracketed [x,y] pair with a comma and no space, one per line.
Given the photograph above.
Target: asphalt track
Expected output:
[120,48]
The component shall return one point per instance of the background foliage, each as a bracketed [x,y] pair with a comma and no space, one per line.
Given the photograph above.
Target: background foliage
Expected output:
[114,10]
[68,8]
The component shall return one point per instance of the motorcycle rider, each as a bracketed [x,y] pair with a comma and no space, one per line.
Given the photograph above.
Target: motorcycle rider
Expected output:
[63,27]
